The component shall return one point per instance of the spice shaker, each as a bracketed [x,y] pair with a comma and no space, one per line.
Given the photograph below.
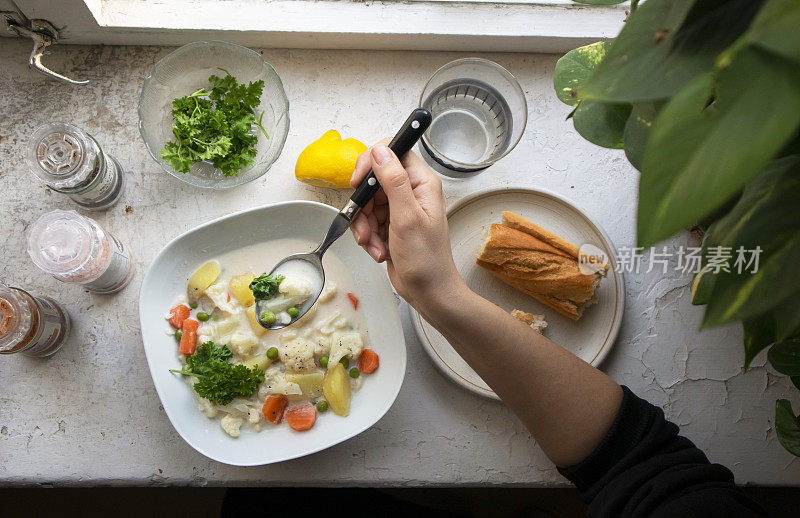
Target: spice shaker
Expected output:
[76,249]
[33,326]
[70,161]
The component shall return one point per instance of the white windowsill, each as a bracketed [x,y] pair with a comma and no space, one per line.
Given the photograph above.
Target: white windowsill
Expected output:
[468,25]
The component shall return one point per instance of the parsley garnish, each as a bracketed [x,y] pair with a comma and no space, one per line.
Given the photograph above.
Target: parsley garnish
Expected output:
[218,380]
[216,126]
[265,286]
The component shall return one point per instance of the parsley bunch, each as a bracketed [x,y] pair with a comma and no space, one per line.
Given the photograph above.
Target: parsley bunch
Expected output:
[216,126]
[265,286]
[218,380]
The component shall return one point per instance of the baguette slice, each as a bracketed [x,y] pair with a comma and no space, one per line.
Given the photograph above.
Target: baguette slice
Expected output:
[539,263]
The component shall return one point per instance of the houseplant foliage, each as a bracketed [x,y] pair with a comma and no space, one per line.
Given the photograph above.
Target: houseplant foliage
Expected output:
[703,96]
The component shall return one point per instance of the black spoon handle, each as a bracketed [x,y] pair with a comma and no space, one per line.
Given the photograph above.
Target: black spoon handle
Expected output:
[409,134]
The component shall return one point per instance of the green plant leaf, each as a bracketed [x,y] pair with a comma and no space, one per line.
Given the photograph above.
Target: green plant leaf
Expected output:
[703,149]
[729,223]
[765,217]
[664,45]
[777,28]
[637,129]
[602,123]
[759,333]
[785,357]
[787,427]
[574,68]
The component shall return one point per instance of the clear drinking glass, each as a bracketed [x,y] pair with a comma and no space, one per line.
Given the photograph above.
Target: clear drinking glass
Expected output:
[479,115]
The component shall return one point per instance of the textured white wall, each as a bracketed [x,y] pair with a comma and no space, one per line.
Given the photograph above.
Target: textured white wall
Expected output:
[90,414]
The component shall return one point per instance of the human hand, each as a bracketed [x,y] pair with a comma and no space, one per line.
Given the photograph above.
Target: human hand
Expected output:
[405,225]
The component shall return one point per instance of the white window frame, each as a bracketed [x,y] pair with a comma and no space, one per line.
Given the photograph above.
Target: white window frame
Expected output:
[462,25]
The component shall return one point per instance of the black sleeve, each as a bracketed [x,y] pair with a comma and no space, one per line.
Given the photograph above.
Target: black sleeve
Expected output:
[644,468]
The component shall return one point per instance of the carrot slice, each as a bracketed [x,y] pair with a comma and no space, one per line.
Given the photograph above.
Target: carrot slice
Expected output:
[353,299]
[178,314]
[273,408]
[189,337]
[301,417]
[368,361]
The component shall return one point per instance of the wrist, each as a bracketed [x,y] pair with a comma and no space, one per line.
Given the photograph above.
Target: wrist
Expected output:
[440,300]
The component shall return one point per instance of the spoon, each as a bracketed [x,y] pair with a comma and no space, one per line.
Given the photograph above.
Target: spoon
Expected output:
[309,265]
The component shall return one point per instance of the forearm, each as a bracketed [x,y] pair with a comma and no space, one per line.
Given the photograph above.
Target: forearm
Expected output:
[567,405]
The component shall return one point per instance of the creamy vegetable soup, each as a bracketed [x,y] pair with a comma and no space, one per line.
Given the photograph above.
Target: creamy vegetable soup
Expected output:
[250,378]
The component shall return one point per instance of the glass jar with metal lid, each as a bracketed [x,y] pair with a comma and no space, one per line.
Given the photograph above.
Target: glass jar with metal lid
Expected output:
[33,326]
[71,162]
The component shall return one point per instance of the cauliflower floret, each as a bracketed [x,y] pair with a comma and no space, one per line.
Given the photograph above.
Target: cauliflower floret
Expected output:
[323,346]
[297,355]
[326,327]
[243,343]
[283,318]
[275,383]
[355,384]
[218,294]
[340,323]
[328,292]
[207,407]
[231,425]
[293,287]
[253,416]
[216,331]
[345,344]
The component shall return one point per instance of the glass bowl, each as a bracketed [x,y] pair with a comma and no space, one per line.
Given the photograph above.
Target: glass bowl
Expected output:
[186,70]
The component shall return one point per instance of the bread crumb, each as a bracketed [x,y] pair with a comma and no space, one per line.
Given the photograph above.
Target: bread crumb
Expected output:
[128,209]
[537,322]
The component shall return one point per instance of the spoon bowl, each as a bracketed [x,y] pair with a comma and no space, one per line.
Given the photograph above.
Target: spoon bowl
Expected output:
[309,263]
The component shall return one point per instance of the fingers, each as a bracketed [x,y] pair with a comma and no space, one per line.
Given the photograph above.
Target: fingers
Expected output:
[369,234]
[363,165]
[393,179]
[360,228]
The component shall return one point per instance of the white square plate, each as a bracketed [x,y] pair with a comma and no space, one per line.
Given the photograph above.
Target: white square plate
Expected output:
[166,278]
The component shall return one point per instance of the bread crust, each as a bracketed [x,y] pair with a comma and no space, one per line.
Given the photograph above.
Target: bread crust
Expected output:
[539,263]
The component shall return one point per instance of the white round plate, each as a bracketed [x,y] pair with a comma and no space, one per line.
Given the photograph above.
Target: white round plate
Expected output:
[166,278]
[590,338]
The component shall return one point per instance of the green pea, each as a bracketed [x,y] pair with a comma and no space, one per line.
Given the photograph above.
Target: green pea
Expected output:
[272,353]
[267,318]
[293,312]
[178,335]
[323,361]
[202,317]
[193,305]
[322,406]
[345,361]
[354,372]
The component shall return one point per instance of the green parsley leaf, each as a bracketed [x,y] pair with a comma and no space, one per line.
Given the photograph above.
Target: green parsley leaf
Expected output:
[219,380]
[216,126]
[265,286]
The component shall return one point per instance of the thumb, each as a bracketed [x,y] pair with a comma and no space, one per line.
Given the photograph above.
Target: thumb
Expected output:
[393,178]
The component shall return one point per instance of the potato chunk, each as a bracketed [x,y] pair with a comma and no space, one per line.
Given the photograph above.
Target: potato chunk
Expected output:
[310,384]
[254,325]
[336,387]
[260,360]
[240,287]
[201,279]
